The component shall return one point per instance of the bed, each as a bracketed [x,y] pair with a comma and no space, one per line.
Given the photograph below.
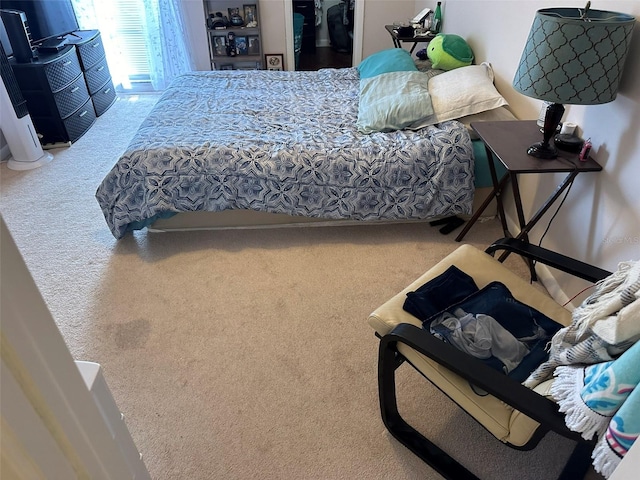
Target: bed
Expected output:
[242,146]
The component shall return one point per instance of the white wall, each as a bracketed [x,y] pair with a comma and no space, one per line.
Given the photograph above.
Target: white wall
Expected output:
[377,14]
[272,28]
[600,221]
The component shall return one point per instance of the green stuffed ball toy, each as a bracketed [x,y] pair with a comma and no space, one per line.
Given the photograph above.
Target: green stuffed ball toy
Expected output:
[448,51]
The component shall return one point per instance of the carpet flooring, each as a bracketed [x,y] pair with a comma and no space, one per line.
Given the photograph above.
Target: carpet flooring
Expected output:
[241,354]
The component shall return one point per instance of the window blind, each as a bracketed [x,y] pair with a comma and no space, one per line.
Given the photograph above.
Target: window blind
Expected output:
[130,27]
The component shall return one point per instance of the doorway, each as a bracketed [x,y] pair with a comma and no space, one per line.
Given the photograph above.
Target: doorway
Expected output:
[322,38]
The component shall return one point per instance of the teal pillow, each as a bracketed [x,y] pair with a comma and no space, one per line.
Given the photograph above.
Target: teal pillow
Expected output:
[385,61]
[393,101]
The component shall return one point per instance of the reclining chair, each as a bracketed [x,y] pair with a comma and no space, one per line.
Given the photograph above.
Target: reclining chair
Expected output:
[513,413]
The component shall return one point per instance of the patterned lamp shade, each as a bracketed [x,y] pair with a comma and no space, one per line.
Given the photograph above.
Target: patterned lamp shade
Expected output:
[573,56]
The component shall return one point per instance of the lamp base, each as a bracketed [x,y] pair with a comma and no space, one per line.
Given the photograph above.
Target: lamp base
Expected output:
[552,119]
[543,150]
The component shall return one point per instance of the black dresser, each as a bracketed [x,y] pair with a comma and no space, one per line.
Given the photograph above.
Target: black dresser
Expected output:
[94,65]
[66,90]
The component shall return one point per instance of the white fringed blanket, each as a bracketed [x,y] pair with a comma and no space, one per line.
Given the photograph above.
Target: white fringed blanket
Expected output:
[595,361]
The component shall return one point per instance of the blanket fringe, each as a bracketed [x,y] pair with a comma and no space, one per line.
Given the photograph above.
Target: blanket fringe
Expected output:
[608,299]
[578,417]
[604,460]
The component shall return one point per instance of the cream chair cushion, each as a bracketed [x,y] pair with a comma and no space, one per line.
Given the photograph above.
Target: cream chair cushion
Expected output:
[501,420]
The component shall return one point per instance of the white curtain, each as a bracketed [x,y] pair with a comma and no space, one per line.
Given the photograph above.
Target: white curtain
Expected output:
[167,41]
[166,38]
[101,15]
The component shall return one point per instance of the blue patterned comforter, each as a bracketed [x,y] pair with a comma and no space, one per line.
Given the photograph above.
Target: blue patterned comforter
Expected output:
[282,142]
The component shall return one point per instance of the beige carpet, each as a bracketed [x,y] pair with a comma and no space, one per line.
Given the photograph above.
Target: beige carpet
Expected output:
[241,354]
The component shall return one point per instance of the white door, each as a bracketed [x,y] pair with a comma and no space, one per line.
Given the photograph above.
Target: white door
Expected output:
[54,423]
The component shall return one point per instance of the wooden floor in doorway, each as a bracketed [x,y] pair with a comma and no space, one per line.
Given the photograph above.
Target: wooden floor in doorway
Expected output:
[324,57]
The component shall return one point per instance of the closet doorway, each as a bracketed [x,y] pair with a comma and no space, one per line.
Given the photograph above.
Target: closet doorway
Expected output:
[323,37]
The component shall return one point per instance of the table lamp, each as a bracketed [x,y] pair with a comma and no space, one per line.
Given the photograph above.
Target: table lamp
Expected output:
[572,56]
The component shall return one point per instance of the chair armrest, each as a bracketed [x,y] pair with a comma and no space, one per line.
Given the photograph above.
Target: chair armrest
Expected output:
[510,391]
[547,257]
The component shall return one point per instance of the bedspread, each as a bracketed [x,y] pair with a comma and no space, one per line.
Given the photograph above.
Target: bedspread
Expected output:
[282,142]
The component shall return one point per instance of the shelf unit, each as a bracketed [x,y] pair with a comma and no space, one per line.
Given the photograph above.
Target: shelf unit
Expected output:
[245,51]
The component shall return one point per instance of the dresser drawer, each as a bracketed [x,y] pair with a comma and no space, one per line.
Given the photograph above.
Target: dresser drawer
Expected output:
[91,52]
[62,71]
[97,76]
[104,98]
[78,123]
[61,104]
[52,129]
[70,98]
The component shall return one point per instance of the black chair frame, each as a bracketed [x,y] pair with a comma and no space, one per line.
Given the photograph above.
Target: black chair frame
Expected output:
[510,391]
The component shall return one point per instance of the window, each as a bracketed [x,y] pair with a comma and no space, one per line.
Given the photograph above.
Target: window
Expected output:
[130,28]
[145,40]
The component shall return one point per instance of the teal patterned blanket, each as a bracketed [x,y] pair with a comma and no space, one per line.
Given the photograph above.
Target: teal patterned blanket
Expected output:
[603,400]
[595,361]
[282,142]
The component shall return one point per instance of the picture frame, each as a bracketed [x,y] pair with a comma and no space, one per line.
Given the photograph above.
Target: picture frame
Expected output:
[241,45]
[253,45]
[250,15]
[219,45]
[274,61]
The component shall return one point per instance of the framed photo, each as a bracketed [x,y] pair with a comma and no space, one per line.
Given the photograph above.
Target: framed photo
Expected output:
[250,15]
[253,47]
[219,45]
[274,61]
[241,45]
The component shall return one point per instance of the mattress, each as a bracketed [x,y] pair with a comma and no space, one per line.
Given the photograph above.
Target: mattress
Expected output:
[285,143]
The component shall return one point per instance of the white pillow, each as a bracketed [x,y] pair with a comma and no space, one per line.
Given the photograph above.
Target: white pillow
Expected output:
[464,91]
[461,92]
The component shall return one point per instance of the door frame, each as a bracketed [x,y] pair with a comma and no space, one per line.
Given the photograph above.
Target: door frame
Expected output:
[358,31]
